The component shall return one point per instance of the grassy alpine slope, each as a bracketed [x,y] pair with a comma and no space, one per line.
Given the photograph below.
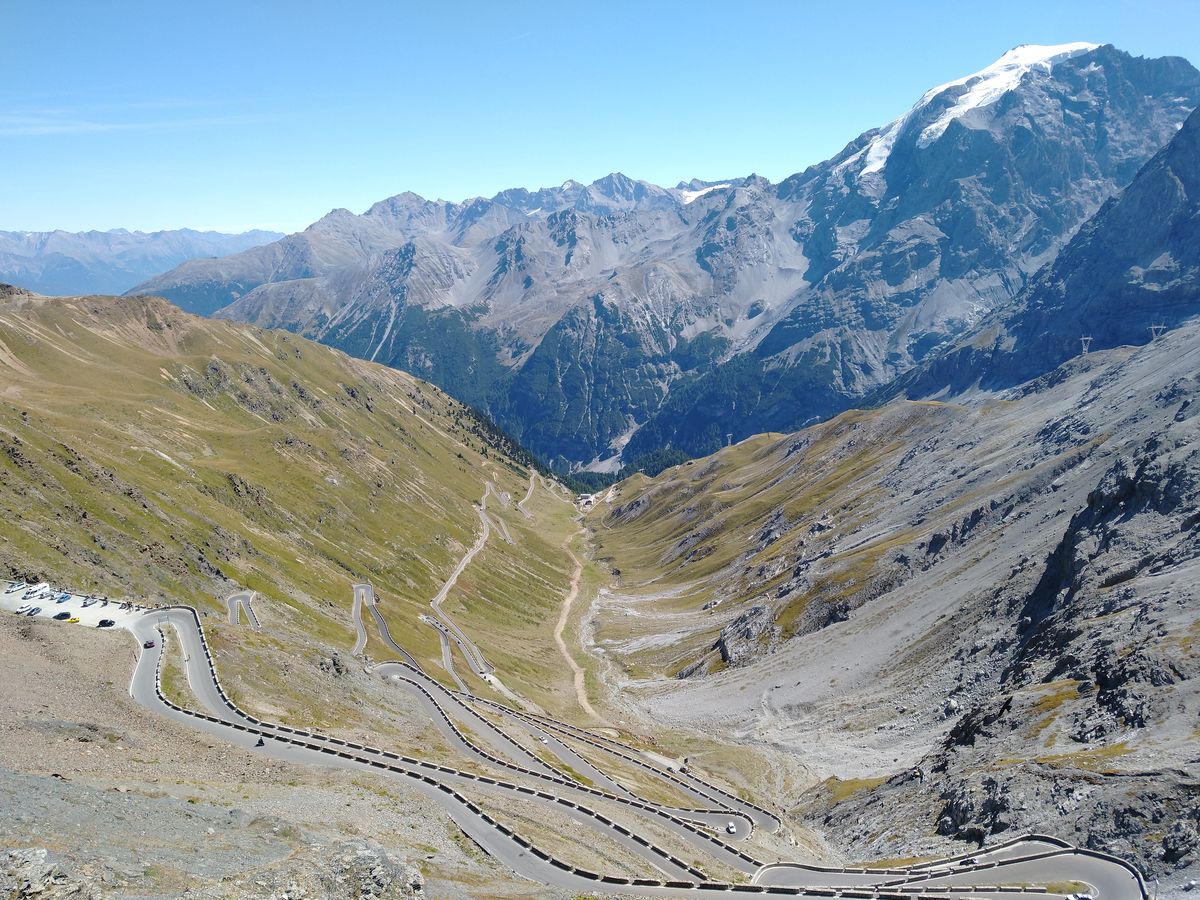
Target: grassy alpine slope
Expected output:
[149,454]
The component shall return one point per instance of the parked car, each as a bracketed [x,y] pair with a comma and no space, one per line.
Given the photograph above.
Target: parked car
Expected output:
[23,608]
[62,598]
[13,588]
[147,645]
[62,617]
[34,611]
[74,620]
[106,623]
[89,602]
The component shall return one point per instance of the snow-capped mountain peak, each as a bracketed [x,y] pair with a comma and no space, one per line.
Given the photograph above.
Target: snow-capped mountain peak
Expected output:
[988,85]
[982,88]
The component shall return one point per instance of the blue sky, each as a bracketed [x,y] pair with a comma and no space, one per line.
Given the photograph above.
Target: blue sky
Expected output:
[235,115]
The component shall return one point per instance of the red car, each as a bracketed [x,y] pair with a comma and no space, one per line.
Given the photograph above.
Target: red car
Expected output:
[148,644]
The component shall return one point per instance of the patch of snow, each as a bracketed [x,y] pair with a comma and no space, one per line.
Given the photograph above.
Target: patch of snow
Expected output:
[986,86]
[689,196]
[880,148]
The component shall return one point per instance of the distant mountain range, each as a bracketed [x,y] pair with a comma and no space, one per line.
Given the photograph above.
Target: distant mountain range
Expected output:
[64,263]
[607,323]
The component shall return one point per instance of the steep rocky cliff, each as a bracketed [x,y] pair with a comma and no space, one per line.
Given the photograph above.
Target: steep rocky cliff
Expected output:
[1133,266]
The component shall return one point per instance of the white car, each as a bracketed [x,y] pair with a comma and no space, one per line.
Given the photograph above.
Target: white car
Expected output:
[731,828]
[24,608]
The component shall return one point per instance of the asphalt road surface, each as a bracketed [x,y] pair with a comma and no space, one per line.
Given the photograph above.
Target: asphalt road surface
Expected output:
[235,603]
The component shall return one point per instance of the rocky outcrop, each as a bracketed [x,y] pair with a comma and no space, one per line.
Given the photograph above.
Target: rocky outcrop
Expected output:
[747,637]
[359,871]
[32,872]
[355,871]
[333,665]
[995,597]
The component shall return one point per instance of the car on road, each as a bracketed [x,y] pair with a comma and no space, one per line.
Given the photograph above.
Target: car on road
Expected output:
[146,645]
[62,617]
[105,623]
[731,828]
[74,620]
[34,611]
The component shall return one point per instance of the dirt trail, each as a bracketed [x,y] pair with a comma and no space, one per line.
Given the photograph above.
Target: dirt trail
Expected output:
[563,617]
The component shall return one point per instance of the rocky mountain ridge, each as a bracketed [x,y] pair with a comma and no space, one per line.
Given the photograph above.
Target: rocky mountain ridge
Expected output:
[601,322]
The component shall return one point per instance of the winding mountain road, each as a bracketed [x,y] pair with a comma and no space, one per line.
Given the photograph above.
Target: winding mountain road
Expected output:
[235,603]
[1009,870]
[363,593]
[528,494]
